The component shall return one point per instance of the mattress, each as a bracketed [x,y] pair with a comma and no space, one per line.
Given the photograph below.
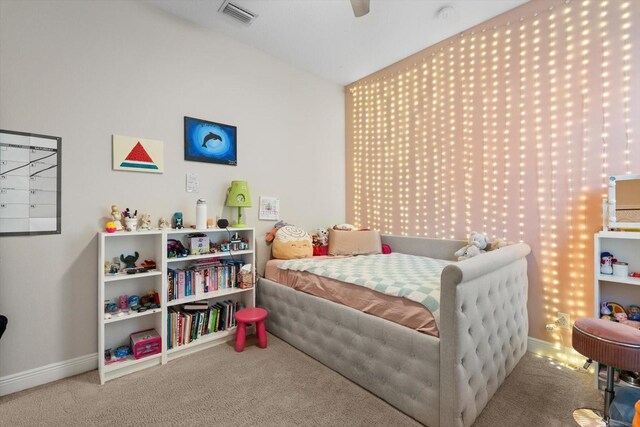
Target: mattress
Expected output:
[396,309]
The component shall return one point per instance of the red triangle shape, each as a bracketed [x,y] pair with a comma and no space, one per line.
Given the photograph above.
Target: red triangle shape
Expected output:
[139,154]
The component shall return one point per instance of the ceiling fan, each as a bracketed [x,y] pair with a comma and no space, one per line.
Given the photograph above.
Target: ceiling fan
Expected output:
[360,7]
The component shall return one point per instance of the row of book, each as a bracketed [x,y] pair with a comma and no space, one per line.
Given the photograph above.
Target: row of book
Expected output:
[202,277]
[192,321]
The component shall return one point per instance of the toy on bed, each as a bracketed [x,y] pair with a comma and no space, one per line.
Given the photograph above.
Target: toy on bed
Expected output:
[272,233]
[320,241]
[291,243]
[477,243]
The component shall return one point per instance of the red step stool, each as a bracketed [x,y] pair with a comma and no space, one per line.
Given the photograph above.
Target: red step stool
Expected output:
[248,316]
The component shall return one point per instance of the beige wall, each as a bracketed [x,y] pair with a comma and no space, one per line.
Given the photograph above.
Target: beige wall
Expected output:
[510,129]
[86,70]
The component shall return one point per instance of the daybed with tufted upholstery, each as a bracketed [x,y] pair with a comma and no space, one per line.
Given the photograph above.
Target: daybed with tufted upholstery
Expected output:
[444,381]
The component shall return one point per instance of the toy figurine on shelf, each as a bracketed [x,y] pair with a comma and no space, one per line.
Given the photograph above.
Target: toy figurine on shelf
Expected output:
[130,260]
[634,312]
[179,222]
[116,217]
[605,311]
[162,224]
[146,222]
[606,263]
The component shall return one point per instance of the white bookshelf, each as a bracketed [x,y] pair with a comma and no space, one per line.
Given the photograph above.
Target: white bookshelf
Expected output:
[625,246]
[114,331]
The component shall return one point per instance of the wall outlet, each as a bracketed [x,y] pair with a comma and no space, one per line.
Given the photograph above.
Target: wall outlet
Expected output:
[564,320]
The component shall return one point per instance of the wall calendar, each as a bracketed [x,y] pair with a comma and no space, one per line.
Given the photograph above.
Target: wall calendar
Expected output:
[30,183]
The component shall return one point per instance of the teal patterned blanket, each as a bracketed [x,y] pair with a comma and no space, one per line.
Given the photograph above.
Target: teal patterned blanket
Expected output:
[414,277]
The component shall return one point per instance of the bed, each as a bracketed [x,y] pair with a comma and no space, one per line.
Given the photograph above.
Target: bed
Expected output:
[443,380]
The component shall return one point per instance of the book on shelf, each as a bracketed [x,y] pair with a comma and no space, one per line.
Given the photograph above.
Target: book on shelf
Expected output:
[198,278]
[188,325]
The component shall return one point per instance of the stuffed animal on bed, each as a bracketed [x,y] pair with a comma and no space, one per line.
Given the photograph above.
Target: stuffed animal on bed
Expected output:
[291,243]
[272,233]
[477,243]
[478,239]
[320,241]
[467,252]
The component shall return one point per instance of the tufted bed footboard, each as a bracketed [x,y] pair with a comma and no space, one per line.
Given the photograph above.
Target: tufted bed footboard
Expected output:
[444,381]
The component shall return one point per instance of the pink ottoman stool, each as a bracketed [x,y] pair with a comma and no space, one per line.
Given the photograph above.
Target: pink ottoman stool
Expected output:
[251,315]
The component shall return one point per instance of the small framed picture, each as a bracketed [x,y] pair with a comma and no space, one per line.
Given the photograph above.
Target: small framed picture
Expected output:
[210,142]
[269,209]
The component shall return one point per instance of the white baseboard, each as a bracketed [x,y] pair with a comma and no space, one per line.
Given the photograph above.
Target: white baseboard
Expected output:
[57,371]
[48,373]
[566,355]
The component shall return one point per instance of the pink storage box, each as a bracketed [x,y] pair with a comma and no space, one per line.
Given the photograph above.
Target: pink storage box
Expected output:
[145,343]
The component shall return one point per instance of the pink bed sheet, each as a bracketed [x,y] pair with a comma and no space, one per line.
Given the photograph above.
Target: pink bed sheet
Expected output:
[395,309]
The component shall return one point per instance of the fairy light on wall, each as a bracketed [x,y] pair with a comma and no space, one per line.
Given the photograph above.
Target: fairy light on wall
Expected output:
[357,114]
[540,149]
[522,155]
[473,59]
[606,87]
[626,79]
[445,124]
[506,146]
[435,106]
[442,143]
[485,155]
[378,168]
[452,71]
[585,55]
[388,173]
[494,133]
[425,149]
[405,159]
[552,257]
[568,122]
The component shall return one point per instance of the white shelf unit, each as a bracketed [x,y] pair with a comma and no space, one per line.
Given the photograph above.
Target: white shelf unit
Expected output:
[625,246]
[115,331]
[152,245]
[246,296]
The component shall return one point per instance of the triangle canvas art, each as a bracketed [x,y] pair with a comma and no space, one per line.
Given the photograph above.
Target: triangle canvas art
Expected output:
[137,154]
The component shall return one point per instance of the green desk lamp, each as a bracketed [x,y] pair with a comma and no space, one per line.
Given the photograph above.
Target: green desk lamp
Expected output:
[238,196]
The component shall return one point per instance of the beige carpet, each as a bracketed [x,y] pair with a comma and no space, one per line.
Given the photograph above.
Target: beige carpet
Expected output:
[277,386]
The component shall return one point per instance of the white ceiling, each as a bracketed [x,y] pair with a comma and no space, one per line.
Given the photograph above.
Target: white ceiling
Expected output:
[324,37]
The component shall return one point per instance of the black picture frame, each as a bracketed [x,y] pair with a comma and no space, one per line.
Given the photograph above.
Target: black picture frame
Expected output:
[36,208]
[210,142]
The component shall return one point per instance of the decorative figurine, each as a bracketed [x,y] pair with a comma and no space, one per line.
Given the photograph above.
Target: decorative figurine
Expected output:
[178,220]
[146,222]
[116,217]
[162,224]
[110,227]
[130,260]
[634,312]
[606,263]
[123,302]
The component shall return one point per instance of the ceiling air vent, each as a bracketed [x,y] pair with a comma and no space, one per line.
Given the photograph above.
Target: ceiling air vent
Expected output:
[236,12]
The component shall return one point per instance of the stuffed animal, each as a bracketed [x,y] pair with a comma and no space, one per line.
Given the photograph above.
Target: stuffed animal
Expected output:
[272,233]
[320,241]
[344,227]
[478,240]
[497,243]
[477,243]
[467,252]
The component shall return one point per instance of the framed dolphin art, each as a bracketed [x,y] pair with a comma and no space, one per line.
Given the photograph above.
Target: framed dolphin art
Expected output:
[210,142]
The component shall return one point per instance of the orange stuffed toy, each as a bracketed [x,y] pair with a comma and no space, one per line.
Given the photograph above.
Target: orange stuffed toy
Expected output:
[272,233]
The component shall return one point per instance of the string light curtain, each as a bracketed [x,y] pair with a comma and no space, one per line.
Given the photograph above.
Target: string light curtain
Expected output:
[511,129]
